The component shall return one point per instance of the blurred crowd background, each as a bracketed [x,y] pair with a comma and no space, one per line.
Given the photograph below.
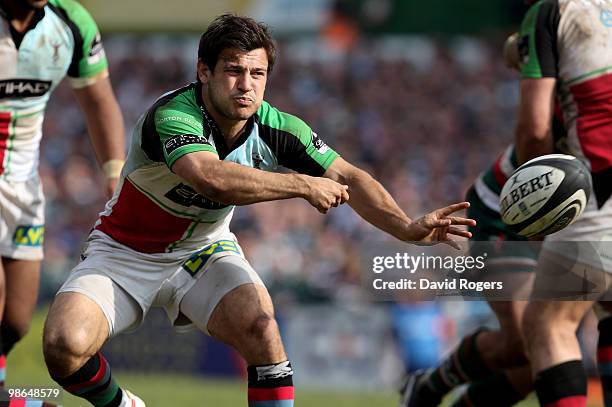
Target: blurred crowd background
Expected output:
[424,117]
[423,112]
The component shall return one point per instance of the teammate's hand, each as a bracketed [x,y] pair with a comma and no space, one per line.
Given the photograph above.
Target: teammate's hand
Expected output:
[436,226]
[324,193]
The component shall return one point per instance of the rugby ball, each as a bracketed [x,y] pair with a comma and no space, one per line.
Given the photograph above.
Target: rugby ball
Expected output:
[545,195]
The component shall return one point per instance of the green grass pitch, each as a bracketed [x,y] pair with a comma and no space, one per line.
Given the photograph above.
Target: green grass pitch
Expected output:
[25,367]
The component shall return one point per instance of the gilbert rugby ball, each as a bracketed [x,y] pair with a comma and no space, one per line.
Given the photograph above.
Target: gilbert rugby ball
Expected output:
[545,195]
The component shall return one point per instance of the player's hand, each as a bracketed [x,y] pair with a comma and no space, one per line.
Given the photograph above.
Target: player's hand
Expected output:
[324,193]
[111,185]
[437,226]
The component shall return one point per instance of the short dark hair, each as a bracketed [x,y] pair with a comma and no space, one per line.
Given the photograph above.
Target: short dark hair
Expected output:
[232,31]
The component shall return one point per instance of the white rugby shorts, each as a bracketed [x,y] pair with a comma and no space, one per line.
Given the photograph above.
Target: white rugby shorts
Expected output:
[22,219]
[126,283]
[591,235]
[576,262]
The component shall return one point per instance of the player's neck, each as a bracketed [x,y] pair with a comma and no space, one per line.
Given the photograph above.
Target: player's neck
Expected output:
[230,129]
[20,17]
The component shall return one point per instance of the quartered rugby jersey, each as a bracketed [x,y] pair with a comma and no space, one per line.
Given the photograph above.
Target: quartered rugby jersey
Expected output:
[155,211]
[62,39]
[571,40]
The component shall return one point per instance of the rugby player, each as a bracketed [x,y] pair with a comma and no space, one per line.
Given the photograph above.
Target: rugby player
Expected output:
[566,51]
[41,42]
[164,238]
[482,356]
[492,361]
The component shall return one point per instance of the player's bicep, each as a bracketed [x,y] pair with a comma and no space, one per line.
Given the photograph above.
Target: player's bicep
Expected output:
[536,107]
[192,166]
[341,171]
[95,92]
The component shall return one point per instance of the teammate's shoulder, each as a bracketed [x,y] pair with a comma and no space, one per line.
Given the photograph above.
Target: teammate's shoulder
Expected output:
[271,117]
[74,11]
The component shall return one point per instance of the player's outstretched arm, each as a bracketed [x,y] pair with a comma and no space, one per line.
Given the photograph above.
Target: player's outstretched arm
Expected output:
[235,184]
[105,125]
[374,204]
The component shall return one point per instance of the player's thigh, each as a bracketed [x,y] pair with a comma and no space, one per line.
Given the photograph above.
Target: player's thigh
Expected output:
[88,309]
[227,298]
[22,279]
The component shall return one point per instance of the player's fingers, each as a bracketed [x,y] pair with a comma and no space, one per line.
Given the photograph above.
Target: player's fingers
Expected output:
[433,223]
[459,232]
[453,208]
[344,196]
[458,220]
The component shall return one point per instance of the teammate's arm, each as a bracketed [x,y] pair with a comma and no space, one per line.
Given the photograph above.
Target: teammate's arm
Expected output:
[535,113]
[235,184]
[374,204]
[539,70]
[105,125]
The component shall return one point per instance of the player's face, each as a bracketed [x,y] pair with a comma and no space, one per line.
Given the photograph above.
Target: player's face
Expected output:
[236,87]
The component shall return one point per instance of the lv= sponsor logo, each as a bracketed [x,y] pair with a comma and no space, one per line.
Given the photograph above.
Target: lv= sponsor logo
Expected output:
[29,235]
[198,260]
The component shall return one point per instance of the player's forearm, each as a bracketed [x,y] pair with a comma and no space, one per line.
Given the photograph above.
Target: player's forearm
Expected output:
[532,143]
[375,205]
[235,184]
[104,120]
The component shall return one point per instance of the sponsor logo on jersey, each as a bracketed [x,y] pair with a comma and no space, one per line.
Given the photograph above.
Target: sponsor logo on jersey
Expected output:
[199,259]
[29,235]
[319,144]
[186,196]
[23,88]
[96,51]
[525,189]
[182,140]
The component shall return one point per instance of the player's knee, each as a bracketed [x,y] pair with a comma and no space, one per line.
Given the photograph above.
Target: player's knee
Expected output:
[264,330]
[63,348]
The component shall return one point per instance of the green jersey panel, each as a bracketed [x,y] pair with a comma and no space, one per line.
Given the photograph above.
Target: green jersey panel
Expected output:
[173,127]
[294,143]
[538,40]
[89,58]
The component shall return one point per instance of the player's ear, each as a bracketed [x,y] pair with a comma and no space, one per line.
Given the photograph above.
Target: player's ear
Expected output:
[204,72]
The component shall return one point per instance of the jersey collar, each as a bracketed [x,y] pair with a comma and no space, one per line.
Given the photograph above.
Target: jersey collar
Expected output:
[17,36]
